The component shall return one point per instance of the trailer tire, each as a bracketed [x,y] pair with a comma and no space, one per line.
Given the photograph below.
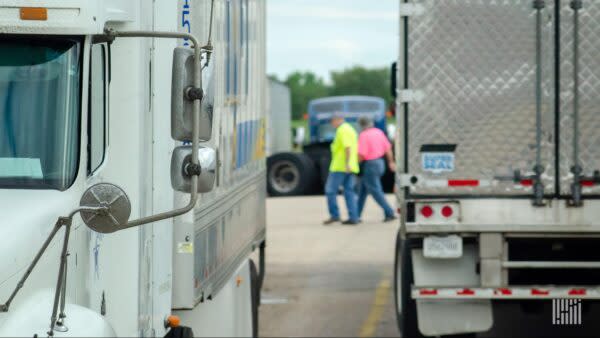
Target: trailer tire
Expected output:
[290,174]
[406,307]
[255,294]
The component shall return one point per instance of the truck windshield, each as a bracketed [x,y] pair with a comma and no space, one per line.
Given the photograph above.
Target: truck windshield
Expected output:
[327,132]
[352,107]
[39,112]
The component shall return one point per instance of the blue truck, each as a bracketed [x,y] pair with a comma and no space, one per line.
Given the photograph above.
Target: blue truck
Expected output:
[299,173]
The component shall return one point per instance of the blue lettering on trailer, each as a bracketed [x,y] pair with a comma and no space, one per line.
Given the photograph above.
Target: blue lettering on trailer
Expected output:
[185,22]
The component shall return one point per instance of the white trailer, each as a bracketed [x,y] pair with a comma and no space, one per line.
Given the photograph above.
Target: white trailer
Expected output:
[498,158]
[279,123]
[91,93]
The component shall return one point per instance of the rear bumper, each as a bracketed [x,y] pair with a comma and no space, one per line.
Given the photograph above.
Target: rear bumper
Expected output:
[511,266]
[507,293]
[504,228]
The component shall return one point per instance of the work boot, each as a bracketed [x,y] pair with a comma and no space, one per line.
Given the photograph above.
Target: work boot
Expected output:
[331,221]
[389,219]
[350,222]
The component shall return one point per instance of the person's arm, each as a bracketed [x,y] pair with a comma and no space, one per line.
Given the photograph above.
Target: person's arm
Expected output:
[348,151]
[390,160]
[361,147]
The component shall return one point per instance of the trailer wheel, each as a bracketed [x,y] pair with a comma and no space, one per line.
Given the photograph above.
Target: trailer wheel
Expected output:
[255,291]
[289,174]
[406,307]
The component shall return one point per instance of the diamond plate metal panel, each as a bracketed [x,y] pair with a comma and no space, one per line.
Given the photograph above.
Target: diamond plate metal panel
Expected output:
[589,78]
[475,62]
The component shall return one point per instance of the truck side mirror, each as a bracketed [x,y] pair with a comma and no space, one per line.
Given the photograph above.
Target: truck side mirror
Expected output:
[183,96]
[394,80]
[115,205]
[182,169]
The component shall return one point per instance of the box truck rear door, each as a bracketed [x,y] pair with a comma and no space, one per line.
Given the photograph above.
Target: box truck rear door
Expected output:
[474,122]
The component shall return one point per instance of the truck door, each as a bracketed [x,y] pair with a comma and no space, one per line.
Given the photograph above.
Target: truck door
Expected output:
[479,97]
[579,103]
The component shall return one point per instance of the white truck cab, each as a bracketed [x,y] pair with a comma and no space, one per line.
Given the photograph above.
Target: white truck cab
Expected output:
[131,166]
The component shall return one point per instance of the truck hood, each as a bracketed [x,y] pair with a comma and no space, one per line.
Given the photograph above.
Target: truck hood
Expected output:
[33,318]
[28,217]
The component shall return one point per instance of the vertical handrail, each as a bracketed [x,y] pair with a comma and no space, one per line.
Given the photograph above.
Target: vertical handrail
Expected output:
[577,170]
[538,187]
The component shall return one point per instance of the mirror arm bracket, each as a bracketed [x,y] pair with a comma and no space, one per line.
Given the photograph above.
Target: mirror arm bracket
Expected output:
[192,169]
[195,118]
[194,93]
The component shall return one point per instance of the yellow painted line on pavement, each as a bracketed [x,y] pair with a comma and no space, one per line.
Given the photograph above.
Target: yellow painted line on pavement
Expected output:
[382,296]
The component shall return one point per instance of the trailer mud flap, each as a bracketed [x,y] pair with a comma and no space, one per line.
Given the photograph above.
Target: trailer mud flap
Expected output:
[454,316]
[441,317]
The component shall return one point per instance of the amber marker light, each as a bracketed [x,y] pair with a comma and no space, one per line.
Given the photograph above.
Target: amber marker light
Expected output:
[172,321]
[34,13]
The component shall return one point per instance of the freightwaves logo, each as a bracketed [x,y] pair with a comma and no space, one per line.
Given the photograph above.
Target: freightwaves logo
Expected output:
[566,312]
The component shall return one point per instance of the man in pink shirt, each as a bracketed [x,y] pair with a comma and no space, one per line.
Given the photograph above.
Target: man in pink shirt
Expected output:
[373,147]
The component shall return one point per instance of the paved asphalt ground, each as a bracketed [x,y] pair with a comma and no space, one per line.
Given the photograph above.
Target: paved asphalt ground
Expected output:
[336,281]
[327,281]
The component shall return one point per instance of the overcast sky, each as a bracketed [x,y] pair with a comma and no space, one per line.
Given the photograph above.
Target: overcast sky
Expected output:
[325,35]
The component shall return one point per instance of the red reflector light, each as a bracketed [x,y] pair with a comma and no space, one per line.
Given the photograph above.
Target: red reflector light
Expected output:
[504,292]
[577,292]
[427,211]
[538,292]
[463,183]
[466,292]
[527,183]
[587,183]
[447,211]
[426,292]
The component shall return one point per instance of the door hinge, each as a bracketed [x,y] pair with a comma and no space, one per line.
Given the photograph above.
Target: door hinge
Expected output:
[408,9]
[410,95]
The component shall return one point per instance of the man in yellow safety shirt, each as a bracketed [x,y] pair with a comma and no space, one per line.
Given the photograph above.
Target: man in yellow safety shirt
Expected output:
[343,168]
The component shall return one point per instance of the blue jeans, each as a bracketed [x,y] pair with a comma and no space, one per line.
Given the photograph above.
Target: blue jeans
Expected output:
[332,186]
[370,183]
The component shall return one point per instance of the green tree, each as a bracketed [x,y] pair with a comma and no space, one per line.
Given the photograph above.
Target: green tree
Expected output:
[358,80]
[362,81]
[304,87]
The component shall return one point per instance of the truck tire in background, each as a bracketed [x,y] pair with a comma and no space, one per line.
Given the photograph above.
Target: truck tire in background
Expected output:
[290,174]
[406,307]
[324,170]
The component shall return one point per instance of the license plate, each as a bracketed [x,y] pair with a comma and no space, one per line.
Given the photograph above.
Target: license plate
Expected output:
[442,247]
[438,162]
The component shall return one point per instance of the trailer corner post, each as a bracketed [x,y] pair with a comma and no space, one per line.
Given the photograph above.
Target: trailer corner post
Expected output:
[577,170]
[538,186]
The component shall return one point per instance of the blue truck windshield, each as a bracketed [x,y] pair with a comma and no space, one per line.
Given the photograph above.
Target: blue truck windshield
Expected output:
[353,108]
[39,113]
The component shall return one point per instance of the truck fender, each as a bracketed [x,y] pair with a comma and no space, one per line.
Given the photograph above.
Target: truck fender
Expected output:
[32,317]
